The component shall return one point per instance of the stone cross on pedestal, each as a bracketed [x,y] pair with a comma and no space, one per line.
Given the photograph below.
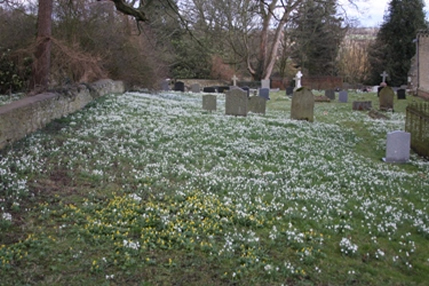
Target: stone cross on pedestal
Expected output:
[297,79]
[384,75]
[234,80]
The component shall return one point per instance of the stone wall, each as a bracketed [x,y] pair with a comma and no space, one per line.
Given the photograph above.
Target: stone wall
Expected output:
[25,116]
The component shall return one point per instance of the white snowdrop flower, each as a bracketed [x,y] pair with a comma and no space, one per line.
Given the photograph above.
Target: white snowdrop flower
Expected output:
[7,216]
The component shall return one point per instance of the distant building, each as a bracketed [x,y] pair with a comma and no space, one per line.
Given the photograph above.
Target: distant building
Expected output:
[419,74]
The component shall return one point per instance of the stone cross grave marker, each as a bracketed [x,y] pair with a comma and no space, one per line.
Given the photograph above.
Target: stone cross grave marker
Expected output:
[384,75]
[195,88]
[397,147]
[257,104]
[265,83]
[179,86]
[386,98]
[302,106]
[330,93]
[297,79]
[236,102]
[234,80]
[343,96]
[401,93]
[209,102]
[265,93]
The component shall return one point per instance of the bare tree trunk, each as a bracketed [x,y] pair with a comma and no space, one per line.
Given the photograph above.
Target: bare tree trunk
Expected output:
[42,63]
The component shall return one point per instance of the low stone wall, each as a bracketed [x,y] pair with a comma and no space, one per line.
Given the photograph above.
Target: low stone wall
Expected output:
[25,116]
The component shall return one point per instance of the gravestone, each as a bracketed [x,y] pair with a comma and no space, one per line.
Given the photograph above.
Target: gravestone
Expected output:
[302,106]
[401,94]
[234,80]
[247,89]
[289,90]
[384,75]
[179,86]
[343,96]
[209,89]
[257,104]
[386,98]
[195,88]
[236,102]
[209,102]
[362,105]
[265,93]
[379,89]
[222,89]
[398,147]
[330,93]
[265,83]
[165,86]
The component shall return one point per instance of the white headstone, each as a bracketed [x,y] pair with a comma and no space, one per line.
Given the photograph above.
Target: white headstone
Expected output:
[398,147]
[265,83]
[297,79]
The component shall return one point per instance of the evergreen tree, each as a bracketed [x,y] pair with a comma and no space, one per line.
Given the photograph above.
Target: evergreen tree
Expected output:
[394,47]
[317,36]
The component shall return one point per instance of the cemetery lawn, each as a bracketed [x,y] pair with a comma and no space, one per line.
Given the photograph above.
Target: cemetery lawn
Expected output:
[141,189]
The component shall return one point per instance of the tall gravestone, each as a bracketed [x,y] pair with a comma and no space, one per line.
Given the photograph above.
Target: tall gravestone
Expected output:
[401,93]
[257,104]
[236,102]
[398,147]
[330,93]
[302,106]
[165,86]
[343,96]
[179,86]
[265,83]
[209,102]
[265,93]
[247,89]
[289,90]
[195,88]
[386,98]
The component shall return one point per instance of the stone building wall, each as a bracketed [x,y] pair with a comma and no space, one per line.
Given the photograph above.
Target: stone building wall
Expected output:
[423,63]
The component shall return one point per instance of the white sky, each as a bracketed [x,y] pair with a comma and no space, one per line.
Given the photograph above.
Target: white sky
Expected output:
[370,12]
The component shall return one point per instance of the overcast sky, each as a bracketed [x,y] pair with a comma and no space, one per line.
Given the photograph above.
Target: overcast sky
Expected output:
[371,12]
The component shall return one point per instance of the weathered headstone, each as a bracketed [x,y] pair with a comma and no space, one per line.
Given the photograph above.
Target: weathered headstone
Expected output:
[179,86]
[398,147]
[386,98]
[265,93]
[165,86]
[302,106]
[195,87]
[222,89]
[289,90]
[330,93]
[401,93]
[236,102]
[265,83]
[209,102]
[343,96]
[209,89]
[257,104]
[362,105]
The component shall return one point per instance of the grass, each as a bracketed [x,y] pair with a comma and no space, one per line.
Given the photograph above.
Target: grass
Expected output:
[143,189]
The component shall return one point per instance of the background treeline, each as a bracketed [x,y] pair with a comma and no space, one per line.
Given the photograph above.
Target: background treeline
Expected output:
[207,39]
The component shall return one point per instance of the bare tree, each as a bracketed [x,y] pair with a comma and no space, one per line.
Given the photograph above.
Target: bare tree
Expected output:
[41,66]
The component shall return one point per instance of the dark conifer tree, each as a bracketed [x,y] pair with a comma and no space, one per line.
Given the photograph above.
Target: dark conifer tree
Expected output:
[394,46]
